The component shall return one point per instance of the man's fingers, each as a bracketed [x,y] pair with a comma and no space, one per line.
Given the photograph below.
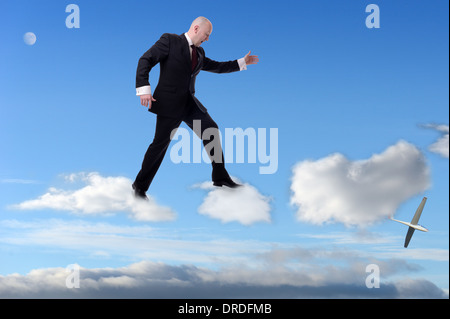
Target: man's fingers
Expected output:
[253,59]
[146,100]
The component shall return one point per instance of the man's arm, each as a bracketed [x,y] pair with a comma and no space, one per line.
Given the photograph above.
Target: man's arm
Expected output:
[219,67]
[148,60]
[230,66]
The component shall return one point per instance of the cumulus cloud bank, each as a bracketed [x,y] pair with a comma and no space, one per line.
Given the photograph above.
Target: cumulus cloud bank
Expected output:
[245,205]
[99,195]
[358,193]
[148,279]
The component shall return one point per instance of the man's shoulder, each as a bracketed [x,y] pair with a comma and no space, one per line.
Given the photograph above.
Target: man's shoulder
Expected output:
[171,36]
[174,39]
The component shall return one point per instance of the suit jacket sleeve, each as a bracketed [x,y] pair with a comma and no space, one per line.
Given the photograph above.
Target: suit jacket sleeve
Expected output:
[220,67]
[158,52]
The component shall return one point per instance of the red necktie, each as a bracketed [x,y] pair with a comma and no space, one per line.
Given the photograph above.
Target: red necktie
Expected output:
[194,57]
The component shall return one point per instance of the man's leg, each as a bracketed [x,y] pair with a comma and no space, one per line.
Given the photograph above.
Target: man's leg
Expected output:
[215,150]
[156,151]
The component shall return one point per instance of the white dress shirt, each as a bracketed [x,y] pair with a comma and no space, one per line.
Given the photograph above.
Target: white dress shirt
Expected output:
[147,90]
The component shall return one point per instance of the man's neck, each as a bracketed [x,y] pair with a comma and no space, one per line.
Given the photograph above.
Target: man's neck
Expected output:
[189,39]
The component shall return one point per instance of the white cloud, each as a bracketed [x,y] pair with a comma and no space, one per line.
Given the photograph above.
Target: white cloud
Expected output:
[441,146]
[99,195]
[245,204]
[335,189]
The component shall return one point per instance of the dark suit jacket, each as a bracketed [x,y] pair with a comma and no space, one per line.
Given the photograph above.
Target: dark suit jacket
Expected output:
[176,80]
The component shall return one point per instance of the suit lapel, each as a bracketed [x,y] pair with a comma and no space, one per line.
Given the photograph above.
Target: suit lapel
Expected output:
[185,50]
[200,55]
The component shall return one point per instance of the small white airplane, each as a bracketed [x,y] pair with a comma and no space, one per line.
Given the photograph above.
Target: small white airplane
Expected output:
[413,224]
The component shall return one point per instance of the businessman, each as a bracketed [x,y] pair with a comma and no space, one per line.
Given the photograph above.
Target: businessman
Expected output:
[181,58]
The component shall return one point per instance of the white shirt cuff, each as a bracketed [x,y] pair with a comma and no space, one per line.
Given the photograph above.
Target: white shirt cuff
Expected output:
[242,64]
[143,90]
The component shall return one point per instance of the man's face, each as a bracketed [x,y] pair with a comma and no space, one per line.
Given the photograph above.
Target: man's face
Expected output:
[202,33]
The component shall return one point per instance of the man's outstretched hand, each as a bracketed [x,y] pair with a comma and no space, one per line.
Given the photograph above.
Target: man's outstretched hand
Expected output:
[251,59]
[146,100]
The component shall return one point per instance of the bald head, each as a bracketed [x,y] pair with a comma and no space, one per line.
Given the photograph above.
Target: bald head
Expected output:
[200,30]
[200,21]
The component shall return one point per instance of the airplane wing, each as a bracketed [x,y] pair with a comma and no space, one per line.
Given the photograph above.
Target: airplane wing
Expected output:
[400,221]
[419,210]
[408,236]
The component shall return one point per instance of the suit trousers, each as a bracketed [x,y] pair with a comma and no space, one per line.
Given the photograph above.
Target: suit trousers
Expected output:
[157,149]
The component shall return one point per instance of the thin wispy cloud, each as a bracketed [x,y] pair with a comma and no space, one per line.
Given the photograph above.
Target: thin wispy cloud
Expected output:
[18,181]
[441,146]
[190,245]
[358,193]
[126,242]
[99,195]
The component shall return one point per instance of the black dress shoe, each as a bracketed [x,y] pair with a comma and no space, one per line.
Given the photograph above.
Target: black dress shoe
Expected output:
[226,182]
[139,193]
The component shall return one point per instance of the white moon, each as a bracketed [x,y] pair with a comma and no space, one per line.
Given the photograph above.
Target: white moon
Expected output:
[29,38]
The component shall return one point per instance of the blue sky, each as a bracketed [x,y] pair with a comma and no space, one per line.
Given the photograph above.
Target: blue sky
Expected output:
[362,119]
